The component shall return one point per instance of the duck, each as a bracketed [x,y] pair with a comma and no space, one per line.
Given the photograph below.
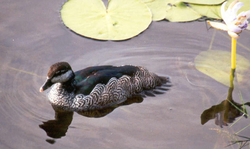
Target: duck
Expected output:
[96,87]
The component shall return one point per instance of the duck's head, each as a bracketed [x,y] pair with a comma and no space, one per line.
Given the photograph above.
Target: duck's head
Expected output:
[60,72]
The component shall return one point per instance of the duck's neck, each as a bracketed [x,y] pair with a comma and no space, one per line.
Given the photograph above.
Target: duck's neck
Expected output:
[62,94]
[68,86]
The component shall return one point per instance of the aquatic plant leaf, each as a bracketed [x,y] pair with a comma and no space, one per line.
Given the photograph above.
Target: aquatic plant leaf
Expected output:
[210,11]
[179,12]
[157,7]
[119,21]
[214,11]
[204,2]
[217,65]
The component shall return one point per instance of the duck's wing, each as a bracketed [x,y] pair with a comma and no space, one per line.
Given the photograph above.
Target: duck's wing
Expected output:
[90,70]
[88,78]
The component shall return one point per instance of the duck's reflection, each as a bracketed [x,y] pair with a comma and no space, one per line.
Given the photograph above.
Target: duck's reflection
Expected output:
[225,112]
[58,127]
[106,111]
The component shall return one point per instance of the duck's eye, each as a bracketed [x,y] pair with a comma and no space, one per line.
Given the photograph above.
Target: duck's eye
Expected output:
[58,72]
[62,71]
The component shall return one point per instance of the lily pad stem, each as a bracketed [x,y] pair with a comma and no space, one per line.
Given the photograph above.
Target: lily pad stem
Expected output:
[232,78]
[233,53]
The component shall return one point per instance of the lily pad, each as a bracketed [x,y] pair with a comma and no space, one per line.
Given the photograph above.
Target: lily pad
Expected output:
[204,2]
[157,7]
[214,11]
[210,11]
[122,19]
[217,65]
[179,12]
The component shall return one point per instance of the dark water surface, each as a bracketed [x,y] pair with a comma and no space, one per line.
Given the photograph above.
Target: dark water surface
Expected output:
[33,37]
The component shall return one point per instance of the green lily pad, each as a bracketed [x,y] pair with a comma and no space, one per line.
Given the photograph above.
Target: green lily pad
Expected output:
[214,11]
[210,11]
[122,19]
[179,12]
[204,2]
[217,65]
[157,7]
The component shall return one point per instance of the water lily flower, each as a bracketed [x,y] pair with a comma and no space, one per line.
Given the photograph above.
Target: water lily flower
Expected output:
[234,23]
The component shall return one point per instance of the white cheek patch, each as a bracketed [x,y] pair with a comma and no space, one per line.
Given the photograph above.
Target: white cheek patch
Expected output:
[62,78]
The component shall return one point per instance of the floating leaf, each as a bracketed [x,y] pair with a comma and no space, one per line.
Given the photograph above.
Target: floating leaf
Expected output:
[122,19]
[214,11]
[179,12]
[204,2]
[217,65]
[208,10]
[157,7]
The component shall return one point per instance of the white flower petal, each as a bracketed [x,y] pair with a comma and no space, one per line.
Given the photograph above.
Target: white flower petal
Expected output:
[231,13]
[234,28]
[232,4]
[234,24]
[247,13]
[243,13]
[233,35]
[223,13]
[236,7]
[241,20]
[218,25]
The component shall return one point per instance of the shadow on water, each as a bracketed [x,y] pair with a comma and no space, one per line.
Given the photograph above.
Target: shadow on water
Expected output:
[58,127]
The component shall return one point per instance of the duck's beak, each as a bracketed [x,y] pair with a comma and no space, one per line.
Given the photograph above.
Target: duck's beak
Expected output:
[46,85]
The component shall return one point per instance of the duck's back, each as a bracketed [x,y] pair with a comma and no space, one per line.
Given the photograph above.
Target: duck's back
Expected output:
[88,78]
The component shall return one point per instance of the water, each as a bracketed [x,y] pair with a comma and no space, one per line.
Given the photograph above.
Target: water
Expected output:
[33,37]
